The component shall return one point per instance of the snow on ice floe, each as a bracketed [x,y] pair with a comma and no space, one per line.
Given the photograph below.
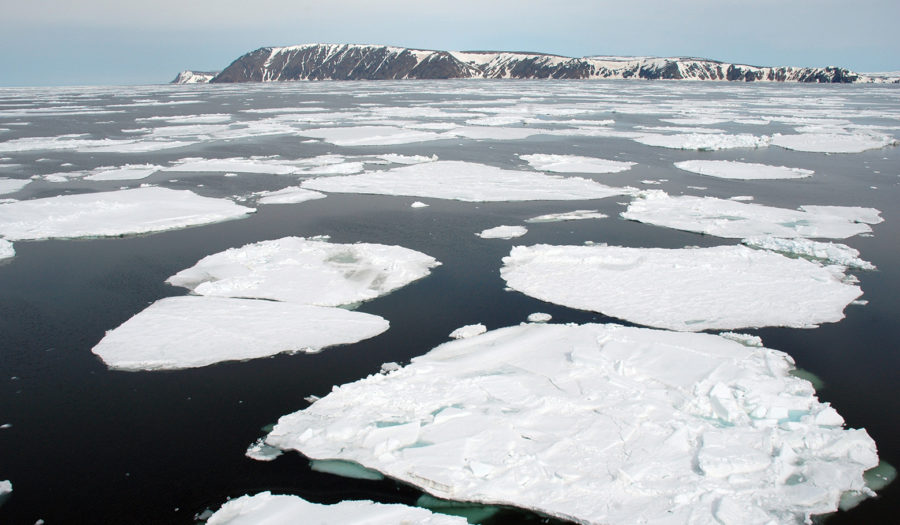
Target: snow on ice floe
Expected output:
[191,331]
[113,213]
[826,252]
[669,427]
[6,249]
[126,172]
[370,135]
[738,220]
[833,142]
[12,185]
[271,509]
[466,181]
[503,232]
[727,169]
[688,289]
[703,141]
[238,165]
[308,271]
[575,215]
[575,164]
[470,330]
[290,195]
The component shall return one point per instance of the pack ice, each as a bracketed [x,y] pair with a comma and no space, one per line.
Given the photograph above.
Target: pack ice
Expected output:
[189,332]
[113,213]
[689,289]
[733,219]
[728,169]
[307,271]
[465,181]
[272,509]
[599,424]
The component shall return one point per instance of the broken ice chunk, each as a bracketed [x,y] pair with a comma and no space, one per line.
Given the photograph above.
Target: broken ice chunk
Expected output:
[828,252]
[503,232]
[467,331]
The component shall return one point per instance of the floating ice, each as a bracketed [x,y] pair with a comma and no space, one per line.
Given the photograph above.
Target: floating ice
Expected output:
[239,165]
[12,185]
[703,141]
[126,172]
[827,252]
[259,451]
[465,181]
[668,427]
[6,249]
[727,169]
[685,289]
[407,159]
[833,142]
[539,317]
[574,215]
[575,164]
[492,133]
[190,332]
[470,330]
[370,135]
[290,510]
[83,144]
[738,220]
[503,232]
[291,195]
[113,213]
[5,490]
[418,204]
[307,271]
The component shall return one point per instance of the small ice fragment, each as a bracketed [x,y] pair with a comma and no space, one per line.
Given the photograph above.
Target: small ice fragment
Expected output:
[744,339]
[418,204]
[126,172]
[539,317]
[503,232]
[6,249]
[389,367]
[346,469]
[827,252]
[568,216]
[290,195]
[741,198]
[12,185]
[467,331]
[575,164]
[262,452]
[407,159]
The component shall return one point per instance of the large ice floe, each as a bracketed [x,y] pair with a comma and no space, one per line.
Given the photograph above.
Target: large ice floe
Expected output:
[270,509]
[308,271]
[728,169]
[833,142]
[575,164]
[465,181]
[113,213]
[599,424]
[703,141]
[688,289]
[738,220]
[189,332]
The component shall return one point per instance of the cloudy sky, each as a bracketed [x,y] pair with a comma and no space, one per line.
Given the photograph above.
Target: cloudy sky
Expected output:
[53,42]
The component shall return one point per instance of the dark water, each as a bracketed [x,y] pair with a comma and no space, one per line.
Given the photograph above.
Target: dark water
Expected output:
[90,445]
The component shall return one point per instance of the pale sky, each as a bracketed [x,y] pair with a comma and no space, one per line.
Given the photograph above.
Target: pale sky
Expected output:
[65,42]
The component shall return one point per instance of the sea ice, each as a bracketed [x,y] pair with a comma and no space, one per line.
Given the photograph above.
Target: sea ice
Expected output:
[370,135]
[12,185]
[113,213]
[503,232]
[574,215]
[266,508]
[239,165]
[833,142]
[6,249]
[418,204]
[126,172]
[307,271]
[470,330]
[826,252]
[703,141]
[668,427]
[290,195]
[407,159]
[575,164]
[727,169]
[689,289]
[539,317]
[191,331]
[465,181]
[739,220]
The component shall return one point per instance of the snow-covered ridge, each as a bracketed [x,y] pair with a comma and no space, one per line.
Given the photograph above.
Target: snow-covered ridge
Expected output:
[378,62]
[194,77]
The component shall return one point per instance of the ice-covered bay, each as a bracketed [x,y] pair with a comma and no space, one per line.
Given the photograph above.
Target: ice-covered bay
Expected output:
[729,169]
[113,213]
[738,220]
[687,289]
[465,181]
[667,427]
[270,509]
[307,271]
[190,331]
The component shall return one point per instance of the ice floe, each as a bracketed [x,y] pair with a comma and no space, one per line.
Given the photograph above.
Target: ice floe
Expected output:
[575,215]
[727,169]
[370,135]
[703,141]
[575,164]
[191,331]
[126,172]
[503,232]
[833,142]
[826,252]
[308,271]
[465,181]
[668,427]
[470,330]
[539,317]
[271,509]
[738,220]
[6,249]
[124,212]
[407,159]
[418,204]
[687,289]
[12,185]
[238,165]
[290,195]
